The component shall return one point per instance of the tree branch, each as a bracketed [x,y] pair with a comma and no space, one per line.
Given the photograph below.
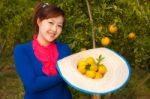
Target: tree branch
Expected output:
[91,21]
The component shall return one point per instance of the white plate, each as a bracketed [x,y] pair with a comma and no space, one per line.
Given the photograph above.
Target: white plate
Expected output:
[117,75]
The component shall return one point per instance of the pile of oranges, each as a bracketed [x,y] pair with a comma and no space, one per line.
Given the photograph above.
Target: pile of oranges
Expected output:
[91,68]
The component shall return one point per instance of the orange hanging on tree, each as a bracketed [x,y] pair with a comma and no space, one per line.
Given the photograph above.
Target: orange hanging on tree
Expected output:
[112,28]
[105,41]
[132,35]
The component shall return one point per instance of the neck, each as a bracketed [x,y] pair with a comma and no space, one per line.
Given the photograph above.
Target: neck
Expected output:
[42,42]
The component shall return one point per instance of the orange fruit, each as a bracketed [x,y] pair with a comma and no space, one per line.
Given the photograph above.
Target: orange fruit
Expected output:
[132,35]
[102,69]
[81,63]
[98,75]
[83,49]
[82,66]
[82,70]
[93,67]
[112,28]
[90,60]
[105,41]
[90,73]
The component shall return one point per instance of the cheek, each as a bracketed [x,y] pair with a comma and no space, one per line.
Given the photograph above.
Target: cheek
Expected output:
[59,30]
[58,33]
[43,27]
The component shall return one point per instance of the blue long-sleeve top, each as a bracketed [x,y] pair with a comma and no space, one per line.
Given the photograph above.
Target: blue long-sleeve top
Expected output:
[36,84]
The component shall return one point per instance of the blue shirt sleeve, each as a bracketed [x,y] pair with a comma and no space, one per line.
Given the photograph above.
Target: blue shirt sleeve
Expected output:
[32,83]
[68,50]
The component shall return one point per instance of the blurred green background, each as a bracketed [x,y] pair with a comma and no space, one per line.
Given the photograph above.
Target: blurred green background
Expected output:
[128,15]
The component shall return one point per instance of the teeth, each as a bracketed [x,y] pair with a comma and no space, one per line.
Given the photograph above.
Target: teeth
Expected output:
[52,35]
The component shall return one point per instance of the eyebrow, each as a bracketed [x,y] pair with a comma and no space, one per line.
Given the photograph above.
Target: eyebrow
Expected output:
[54,21]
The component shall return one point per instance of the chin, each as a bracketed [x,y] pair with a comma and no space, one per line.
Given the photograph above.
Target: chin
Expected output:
[51,40]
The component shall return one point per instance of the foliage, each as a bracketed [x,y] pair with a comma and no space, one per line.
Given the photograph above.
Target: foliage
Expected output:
[15,24]
[128,15]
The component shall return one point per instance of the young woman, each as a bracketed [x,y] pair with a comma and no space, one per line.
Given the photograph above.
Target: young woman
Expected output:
[36,60]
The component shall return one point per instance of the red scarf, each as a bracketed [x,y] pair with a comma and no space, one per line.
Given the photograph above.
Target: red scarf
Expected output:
[47,55]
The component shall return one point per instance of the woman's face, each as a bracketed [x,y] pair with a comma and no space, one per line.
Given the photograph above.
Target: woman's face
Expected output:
[49,29]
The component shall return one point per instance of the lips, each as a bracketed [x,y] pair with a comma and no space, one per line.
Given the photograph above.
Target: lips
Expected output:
[51,34]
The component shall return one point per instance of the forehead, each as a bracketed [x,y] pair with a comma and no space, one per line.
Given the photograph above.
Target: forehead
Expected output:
[58,19]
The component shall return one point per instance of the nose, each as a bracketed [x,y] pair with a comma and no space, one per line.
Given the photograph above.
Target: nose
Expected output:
[54,28]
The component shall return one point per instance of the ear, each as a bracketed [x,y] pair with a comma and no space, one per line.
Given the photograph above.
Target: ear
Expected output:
[38,21]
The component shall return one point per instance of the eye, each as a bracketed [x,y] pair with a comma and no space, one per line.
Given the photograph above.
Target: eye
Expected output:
[60,26]
[51,23]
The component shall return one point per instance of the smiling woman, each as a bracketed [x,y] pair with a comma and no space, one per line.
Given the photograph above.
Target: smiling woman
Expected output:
[36,61]
[49,29]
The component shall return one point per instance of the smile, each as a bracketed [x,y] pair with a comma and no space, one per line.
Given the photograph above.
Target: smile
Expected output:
[51,34]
